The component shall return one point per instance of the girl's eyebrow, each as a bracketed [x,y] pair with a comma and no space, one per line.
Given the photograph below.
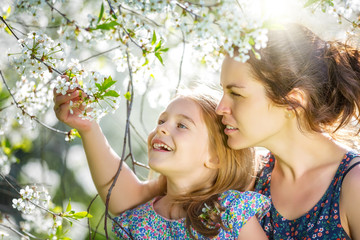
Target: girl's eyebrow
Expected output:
[179,116]
[187,118]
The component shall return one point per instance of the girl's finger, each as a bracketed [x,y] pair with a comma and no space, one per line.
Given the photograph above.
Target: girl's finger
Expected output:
[60,99]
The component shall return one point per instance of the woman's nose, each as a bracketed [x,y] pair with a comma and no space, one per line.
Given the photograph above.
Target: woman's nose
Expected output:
[222,107]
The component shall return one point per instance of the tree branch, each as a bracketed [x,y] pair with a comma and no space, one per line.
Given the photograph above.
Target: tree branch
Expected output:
[26,113]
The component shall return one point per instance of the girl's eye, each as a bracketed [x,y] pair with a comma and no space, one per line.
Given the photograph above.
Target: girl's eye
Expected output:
[180,125]
[160,122]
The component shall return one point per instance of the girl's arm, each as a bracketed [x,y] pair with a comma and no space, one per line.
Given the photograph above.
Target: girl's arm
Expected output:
[252,230]
[103,162]
[350,201]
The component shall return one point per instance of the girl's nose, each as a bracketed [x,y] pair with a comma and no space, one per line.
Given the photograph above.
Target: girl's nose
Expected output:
[162,129]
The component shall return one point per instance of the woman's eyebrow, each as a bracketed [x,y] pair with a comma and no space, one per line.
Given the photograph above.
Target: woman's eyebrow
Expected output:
[233,86]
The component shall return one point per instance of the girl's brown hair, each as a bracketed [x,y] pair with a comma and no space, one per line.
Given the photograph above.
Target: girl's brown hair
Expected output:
[236,169]
[327,72]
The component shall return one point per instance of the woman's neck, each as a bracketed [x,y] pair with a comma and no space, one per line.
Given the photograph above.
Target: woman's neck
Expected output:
[301,152]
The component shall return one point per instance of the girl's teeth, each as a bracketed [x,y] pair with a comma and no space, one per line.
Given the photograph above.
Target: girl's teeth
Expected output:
[229,127]
[161,145]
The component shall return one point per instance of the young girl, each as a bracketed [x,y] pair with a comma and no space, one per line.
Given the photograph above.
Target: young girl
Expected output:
[203,176]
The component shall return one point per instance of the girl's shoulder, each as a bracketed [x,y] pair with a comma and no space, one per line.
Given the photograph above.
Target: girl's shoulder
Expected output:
[250,201]
[240,207]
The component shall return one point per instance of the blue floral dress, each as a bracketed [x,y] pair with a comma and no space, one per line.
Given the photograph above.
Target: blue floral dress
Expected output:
[144,223]
[321,222]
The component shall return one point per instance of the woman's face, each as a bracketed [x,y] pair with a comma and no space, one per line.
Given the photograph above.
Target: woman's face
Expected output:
[250,117]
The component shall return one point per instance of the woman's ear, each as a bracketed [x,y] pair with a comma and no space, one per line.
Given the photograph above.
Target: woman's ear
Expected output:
[212,163]
[298,96]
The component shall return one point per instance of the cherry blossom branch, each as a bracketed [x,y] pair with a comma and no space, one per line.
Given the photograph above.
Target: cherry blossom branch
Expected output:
[17,38]
[26,113]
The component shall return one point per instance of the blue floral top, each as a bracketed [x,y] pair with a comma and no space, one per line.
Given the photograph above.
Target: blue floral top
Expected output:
[144,223]
[321,222]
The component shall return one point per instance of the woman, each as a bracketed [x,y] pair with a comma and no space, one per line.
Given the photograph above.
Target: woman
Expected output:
[300,89]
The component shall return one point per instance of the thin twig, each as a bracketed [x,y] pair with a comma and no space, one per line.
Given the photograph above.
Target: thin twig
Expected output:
[137,133]
[101,53]
[181,62]
[111,8]
[62,14]
[118,224]
[140,15]
[14,230]
[32,26]
[98,225]
[26,113]
[88,210]
[127,129]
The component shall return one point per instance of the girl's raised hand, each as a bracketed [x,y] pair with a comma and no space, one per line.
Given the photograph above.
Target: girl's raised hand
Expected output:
[68,107]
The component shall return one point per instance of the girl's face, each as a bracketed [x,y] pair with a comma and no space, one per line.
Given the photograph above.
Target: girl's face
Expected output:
[179,145]
[250,117]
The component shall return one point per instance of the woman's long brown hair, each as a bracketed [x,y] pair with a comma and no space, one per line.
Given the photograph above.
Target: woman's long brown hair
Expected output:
[328,72]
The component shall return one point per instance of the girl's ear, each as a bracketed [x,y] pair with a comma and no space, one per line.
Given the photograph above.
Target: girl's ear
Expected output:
[212,163]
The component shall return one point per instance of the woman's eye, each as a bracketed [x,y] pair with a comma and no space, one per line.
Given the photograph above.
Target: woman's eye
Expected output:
[180,125]
[235,94]
[160,122]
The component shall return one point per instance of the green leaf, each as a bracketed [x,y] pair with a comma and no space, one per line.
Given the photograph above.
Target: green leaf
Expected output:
[8,11]
[75,132]
[251,41]
[6,146]
[99,86]
[101,13]
[111,93]
[310,2]
[68,208]
[158,46]
[159,57]
[127,96]
[83,214]
[108,83]
[164,49]
[153,40]
[107,26]
[146,62]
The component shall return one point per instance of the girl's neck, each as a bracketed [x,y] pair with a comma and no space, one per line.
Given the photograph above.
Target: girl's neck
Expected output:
[168,208]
